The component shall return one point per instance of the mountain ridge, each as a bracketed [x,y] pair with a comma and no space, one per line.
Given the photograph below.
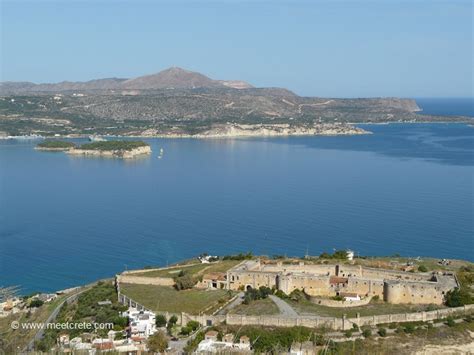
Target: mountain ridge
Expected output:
[170,78]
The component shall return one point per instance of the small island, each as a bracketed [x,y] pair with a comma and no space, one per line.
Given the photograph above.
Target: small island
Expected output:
[55,145]
[116,149]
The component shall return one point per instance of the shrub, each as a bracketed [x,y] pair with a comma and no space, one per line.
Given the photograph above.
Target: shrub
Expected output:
[382,332]
[409,328]
[281,294]
[36,303]
[239,256]
[366,333]
[193,325]
[160,320]
[337,298]
[319,340]
[422,268]
[157,342]
[348,333]
[450,321]
[173,320]
[393,325]
[184,282]
[376,298]
[186,330]
[338,254]
[355,327]
[458,297]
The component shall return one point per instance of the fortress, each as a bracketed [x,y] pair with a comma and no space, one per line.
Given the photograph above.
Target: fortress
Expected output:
[324,280]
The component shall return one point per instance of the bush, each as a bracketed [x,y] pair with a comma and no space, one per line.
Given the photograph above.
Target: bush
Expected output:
[253,294]
[393,326]
[157,342]
[338,254]
[458,297]
[193,325]
[422,268]
[297,295]
[319,340]
[36,303]
[409,328]
[450,321]
[382,332]
[160,320]
[184,282]
[186,330]
[281,294]
[355,327]
[173,320]
[376,298]
[239,256]
[366,333]
[348,333]
[337,298]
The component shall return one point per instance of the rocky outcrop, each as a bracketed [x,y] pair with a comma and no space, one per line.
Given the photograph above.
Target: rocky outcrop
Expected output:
[263,130]
[124,154]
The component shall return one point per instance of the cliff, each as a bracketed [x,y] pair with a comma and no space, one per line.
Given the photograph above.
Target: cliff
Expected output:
[118,153]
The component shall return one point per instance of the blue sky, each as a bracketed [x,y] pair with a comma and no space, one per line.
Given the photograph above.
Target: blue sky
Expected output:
[333,48]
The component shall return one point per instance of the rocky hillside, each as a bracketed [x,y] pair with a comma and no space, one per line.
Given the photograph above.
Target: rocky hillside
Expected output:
[181,102]
[171,78]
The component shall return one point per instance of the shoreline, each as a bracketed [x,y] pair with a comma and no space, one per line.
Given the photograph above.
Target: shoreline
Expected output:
[227,136]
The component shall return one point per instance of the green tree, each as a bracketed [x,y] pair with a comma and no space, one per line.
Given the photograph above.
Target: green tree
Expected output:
[186,330]
[160,320]
[184,282]
[457,297]
[157,342]
[382,332]
[36,303]
[193,325]
[173,320]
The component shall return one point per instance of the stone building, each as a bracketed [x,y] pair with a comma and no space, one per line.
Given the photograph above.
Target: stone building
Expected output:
[322,280]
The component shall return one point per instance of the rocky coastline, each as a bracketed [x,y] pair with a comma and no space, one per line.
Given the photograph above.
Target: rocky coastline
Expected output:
[118,153]
[262,130]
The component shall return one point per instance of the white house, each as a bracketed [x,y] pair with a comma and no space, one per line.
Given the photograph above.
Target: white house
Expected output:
[142,323]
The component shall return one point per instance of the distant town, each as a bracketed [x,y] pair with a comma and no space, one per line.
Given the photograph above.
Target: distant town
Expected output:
[326,304]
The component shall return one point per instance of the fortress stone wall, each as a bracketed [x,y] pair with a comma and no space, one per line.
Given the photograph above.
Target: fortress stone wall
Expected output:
[340,279]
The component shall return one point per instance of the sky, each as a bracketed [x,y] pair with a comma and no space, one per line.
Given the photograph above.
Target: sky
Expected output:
[337,48]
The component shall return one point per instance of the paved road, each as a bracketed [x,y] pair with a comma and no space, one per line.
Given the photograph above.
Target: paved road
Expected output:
[51,318]
[239,299]
[285,309]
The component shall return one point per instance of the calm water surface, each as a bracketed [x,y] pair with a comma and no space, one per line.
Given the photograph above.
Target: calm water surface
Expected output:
[66,221]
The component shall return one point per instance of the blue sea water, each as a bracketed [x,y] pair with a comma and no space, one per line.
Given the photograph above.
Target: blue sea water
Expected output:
[65,221]
[457,106]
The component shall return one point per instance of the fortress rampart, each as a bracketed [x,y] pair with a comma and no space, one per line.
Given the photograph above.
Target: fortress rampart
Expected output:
[340,279]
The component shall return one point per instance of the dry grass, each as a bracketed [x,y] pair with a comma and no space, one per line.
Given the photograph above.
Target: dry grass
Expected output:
[257,308]
[164,298]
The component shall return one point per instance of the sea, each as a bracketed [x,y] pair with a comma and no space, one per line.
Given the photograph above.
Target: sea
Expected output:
[405,189]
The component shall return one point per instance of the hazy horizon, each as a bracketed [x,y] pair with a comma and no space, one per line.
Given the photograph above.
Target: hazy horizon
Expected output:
[327,49]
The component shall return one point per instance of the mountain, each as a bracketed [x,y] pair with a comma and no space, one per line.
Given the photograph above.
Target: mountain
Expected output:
[171,78]
[176,102]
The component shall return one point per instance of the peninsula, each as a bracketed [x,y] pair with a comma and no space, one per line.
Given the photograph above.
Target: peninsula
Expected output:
[180,103]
